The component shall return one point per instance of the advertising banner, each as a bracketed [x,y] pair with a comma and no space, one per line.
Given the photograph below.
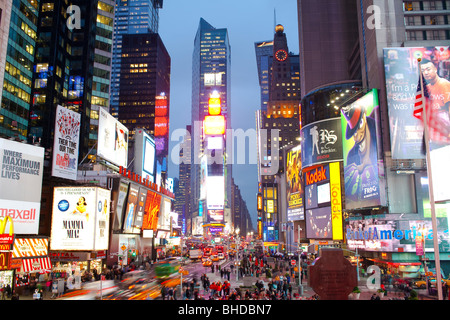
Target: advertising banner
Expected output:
[215,190]
[80,218]
[65,143]
[123,191]
[318,223]
[318,202]
[152,207]
[144,155]
[294,192]
[321,142]
[21,174]
[132,201]
[216,215]
[402,78]
[112,144]
[383,234]
[140,207]
[336,201]
[30,247]
[360,147]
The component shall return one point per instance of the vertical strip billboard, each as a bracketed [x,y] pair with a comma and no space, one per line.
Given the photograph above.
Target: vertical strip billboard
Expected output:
[80,218]
[360,147]
[402,78]
[122,196]
[294,192]
[65,143]
[336,201]
[112,143]
[132,201]
[22,167]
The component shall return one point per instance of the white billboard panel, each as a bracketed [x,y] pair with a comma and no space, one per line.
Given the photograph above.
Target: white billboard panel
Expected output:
[112,144]
[80,218]
[22,168]
[65,143]
[215,192]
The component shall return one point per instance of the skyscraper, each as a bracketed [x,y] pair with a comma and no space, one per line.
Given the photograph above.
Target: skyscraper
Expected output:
[144,97]
[131,17]
[282,114]
[18,24]
[211,73]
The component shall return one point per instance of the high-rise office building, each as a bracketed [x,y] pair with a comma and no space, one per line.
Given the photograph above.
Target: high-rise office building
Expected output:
[211,74]
[282,114]
[264,52]
[72,67]
[18,23]
[144,96]
[131,17]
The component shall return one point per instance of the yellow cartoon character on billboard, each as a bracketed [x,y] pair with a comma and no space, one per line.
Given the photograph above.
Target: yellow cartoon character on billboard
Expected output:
[81,207]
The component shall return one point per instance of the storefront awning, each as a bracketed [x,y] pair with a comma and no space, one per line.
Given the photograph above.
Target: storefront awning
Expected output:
[41,265]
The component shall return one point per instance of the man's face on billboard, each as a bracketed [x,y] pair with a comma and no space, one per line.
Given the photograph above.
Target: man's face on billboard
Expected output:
[429,72]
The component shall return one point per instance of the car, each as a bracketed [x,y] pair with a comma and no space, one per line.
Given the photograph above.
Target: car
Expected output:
[421,284]
[221,256]
[215,258]
[207,263]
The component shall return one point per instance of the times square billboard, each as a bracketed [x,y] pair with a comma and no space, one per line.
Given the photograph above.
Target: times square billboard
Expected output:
[402,78]
[363,172]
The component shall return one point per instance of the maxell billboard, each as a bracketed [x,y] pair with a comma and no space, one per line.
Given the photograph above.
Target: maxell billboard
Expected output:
[22,168]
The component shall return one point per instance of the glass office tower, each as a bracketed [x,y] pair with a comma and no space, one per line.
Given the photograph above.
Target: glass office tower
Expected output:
[131,17]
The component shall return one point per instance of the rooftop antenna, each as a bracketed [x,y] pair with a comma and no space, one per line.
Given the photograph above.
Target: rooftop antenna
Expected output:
[274,18]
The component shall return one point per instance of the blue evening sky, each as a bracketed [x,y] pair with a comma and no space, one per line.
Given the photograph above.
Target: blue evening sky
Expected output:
[247,21]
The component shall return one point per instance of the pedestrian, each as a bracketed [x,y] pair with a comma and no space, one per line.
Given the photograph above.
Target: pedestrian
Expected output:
[171,294]
[164,292]
[188,293]
[444,290]
[375,297]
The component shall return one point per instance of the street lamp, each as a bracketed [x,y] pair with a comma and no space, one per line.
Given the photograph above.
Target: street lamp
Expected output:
[237,260]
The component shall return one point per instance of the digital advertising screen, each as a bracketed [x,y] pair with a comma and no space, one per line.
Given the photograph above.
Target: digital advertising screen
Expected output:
[318,223]
[360,148]
[152,208]
[321,142]
[132,201]
[215,191]
[112,144]
[402,79]
[294,190]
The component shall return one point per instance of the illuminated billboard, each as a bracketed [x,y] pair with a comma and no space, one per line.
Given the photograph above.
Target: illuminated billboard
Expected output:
[212,79]
[161,106]
[80,218]
[152,208]
[360,147]
[214,125]
[203,175]
[215,214]
[215,192]
[22,167]
[132,201]
[321,142]
[144,155]
[402,78]
[65,143]
[294,190]
[112,143]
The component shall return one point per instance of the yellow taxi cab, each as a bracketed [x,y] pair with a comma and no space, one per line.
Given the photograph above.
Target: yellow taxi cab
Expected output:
[207,263]
[215,258]
[421,284]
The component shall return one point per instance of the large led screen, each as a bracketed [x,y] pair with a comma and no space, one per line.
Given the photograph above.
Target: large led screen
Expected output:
[402,78]
[360,148]
[318,223]
[132,202]
[112,144]
[152,208]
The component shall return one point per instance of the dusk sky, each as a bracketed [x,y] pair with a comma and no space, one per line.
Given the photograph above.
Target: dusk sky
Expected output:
[247,21]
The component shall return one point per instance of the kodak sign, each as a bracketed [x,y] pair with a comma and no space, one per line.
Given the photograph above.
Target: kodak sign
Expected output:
[314,176]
